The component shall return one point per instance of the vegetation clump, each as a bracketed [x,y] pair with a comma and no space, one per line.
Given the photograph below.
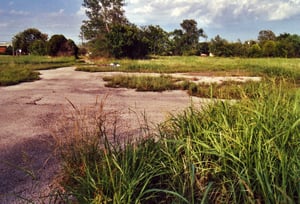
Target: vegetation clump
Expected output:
[142,83]
[243,152]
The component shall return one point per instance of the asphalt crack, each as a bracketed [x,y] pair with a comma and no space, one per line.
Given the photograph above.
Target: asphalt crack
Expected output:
[34,102]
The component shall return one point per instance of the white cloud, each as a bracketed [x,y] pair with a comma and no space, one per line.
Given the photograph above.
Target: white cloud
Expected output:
[3,25]
[210,12]
[81,11]
[58,13]
[285,10]
[179,11]
[19,12]
[61,11]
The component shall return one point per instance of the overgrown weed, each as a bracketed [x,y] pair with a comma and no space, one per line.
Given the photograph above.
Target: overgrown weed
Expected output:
[241,152]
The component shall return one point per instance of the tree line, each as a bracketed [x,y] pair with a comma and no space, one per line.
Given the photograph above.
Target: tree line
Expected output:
[109,33]
[34,42]
[266,45]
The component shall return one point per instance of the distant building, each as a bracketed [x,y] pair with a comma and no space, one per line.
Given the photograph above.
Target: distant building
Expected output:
[3,47]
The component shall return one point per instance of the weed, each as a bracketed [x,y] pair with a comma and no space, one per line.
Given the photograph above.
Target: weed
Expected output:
[142,83]
[242,152]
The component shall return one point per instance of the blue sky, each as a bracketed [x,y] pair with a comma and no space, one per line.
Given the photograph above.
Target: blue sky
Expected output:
[231,19]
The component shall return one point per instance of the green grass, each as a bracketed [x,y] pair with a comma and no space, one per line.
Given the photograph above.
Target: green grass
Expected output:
[142,83]
[242,152]
[224,90]
[14,70]
[279,67]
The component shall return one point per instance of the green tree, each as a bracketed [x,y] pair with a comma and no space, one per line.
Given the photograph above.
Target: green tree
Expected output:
[255,51]
[220,47]
[157,40]
[102,16]
[288,45]
[269,49]
[238,49]
[127,41]
[9,50]
[25,39]
[38,47]
[58,45]
[176,42]
[191,34]
[265,35]
[203,48]
[186,39]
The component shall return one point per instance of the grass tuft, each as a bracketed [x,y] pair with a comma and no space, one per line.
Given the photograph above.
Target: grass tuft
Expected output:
[142,83]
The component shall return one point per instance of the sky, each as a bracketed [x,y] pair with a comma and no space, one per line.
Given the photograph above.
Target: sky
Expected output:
[231,19]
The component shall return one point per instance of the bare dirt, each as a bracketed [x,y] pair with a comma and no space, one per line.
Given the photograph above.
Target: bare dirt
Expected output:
[29,112]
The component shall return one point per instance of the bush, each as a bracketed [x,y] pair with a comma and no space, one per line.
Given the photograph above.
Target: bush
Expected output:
[58,45]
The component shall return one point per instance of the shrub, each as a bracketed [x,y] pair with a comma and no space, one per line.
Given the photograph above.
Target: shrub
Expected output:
[58,45]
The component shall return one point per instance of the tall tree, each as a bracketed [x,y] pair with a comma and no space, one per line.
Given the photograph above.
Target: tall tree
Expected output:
[185,40]
[102,16]
[269,49]
[191,33]
[177,42]
[157,39]
[127,41]
[25,39]
[220,47]
[58,45]
[265,35]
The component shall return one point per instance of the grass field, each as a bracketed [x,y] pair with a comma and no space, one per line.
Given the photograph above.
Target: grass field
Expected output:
[16,69]
[221,66]
[269,69]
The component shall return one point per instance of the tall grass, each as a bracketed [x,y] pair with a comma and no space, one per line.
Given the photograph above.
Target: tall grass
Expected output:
[227,152]
[142,83]
[248,150]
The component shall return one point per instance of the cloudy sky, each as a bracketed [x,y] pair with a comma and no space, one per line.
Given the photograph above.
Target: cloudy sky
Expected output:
[231,19]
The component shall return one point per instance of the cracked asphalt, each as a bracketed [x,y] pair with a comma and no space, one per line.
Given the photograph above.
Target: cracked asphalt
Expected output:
[30,111]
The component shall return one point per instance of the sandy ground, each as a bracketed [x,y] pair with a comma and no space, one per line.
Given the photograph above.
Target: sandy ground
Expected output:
[29,112]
